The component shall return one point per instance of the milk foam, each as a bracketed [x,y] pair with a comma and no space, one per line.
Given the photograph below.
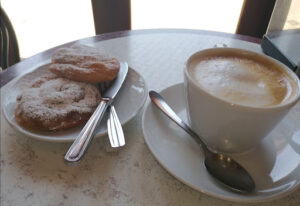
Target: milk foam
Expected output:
[241,81]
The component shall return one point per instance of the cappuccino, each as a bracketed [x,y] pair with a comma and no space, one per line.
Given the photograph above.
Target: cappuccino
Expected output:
[241,80]
[235,97]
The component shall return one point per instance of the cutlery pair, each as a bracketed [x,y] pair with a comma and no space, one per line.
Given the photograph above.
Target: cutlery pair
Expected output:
[79,146]
[114,127]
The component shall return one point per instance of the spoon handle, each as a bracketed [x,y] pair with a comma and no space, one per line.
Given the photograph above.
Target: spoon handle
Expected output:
[166,109]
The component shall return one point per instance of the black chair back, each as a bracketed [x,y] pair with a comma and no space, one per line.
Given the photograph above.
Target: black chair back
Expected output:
[9,44]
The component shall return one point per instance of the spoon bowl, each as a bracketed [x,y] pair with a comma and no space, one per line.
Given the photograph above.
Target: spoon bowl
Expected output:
[222,167]
[231,173]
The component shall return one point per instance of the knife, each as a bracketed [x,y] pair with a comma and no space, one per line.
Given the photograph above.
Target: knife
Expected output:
[82,141]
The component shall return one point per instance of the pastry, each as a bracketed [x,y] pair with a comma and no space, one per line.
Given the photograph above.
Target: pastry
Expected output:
[84,63]
[54,103]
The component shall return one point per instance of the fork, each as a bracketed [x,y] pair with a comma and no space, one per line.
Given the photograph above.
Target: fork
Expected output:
[114,127]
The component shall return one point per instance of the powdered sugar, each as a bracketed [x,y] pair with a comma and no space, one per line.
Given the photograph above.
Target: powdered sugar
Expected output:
[83,57]
[84,63]
[50,98]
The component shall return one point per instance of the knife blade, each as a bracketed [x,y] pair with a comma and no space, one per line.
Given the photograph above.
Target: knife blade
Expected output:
[112,91]
[79,146]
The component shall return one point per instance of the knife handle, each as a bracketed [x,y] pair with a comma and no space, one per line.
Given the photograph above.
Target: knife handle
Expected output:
[82,141]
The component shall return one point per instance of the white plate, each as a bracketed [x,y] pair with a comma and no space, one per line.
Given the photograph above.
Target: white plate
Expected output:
[128,103]
[274,164]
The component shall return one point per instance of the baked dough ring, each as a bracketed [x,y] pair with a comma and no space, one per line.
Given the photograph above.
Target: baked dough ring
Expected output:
[54,103]
[84,63]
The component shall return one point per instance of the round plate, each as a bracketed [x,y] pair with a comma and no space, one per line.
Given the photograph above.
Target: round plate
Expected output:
[128,103]
[274,164]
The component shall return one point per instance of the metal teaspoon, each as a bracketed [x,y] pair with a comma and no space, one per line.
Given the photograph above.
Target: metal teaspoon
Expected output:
[220,166]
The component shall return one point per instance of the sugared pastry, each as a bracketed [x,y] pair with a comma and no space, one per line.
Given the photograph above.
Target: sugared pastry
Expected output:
[84,63]
[55,103]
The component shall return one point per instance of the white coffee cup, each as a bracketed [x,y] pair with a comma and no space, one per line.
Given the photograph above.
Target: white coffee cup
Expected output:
[230,121]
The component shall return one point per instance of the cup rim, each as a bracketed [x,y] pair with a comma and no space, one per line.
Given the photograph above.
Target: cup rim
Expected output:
[293,76]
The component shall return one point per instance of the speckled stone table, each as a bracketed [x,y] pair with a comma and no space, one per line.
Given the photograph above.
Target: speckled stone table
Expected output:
[34,172]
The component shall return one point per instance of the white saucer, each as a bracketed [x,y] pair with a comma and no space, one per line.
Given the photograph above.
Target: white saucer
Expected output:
[274,164]
[128,103]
